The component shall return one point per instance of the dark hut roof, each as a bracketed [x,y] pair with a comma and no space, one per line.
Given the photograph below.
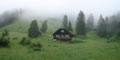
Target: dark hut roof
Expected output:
[62,28]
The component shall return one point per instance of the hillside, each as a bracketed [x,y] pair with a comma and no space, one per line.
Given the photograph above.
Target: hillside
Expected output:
[90,47]
[22,25]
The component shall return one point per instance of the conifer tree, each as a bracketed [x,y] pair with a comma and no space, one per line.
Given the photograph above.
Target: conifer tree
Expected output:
[65,22]
[80,24]
[101,29]
[44,27]
[33,31]
[70,26]
[90,22]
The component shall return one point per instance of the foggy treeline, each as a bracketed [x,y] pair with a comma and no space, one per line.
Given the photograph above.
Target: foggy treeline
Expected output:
[9,17]
[106,26]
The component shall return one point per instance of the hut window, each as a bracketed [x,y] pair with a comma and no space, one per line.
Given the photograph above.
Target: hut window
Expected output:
[62,36]
[66,35]
[57,35]
[62,31]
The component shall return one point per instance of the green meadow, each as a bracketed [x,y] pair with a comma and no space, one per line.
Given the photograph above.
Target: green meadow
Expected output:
[90,47]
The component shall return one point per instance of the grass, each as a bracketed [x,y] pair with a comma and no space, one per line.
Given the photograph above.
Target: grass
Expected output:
[90,47]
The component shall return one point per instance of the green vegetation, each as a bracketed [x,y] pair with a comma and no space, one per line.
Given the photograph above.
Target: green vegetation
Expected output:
[23,25]
[33,31]
[116,38]
[70,26]
[101,29]
[80,24]
[4,39]
[90,47]
[65,22]
[25,41]
[5,33]
[44,27]
[90,22]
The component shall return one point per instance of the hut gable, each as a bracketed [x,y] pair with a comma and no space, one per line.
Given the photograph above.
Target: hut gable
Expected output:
[63,34]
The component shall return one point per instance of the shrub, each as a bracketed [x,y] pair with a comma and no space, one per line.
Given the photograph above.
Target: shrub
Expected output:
[5,33]
[25,41]
[15,38]
[4,41]
[36,46]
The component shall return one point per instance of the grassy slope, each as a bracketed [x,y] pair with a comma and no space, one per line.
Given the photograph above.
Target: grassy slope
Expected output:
[90,48]
[22,26]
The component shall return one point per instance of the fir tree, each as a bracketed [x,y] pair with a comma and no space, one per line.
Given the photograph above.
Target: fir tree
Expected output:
[90,22]
[33,30]
[80,24]
[65,22]
[101,29]
[44,27]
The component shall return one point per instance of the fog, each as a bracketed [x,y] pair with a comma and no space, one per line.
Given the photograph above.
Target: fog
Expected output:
[57,8]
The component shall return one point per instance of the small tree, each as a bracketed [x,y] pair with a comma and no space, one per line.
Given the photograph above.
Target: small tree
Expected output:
[5,33]
[33,31]
[44,27]
[4,39]
[70,26]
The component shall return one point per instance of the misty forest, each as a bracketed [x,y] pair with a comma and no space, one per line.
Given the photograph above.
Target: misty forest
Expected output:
[59,30]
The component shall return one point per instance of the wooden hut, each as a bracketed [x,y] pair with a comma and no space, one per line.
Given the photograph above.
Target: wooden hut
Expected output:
[63,34]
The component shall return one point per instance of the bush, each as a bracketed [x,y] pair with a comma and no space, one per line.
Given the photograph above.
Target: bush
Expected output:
[25,41]
[116,37]
[4,41]
[36,46]
[5,33]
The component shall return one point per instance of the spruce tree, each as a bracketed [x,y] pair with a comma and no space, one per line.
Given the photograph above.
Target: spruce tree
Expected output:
[70,26]
[90,22]
[33,31]
[65,22]
[80,24]
[44,27]
[101,29]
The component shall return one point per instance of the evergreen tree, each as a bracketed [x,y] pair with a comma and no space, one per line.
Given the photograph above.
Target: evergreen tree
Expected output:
[33,30]
[80,24]
[65,22]
[114,27]
[101,29]
[90,22]
[70,26]
[44,27]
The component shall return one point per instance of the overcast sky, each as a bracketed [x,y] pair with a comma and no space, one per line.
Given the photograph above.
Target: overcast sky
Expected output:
[97,7]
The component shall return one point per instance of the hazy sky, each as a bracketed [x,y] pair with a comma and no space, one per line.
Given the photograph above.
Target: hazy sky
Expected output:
[97,7]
